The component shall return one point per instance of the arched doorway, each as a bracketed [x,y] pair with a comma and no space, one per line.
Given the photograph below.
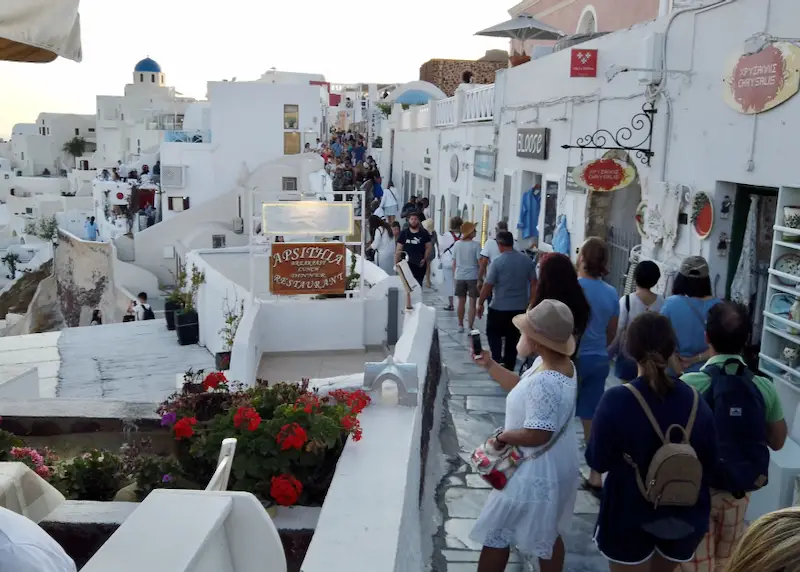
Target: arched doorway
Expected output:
[587,23]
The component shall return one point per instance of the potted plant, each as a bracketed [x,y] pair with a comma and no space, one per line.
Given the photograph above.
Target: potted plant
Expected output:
[233,315]
[11,259]
[517,59]
[187,324]
[174,301]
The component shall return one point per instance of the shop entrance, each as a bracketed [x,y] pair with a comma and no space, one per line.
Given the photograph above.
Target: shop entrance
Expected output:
[623,236]
[528,180]
[743,242]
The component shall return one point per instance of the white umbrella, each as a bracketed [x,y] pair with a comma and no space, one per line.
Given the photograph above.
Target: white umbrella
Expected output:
[523,28]
[39,31]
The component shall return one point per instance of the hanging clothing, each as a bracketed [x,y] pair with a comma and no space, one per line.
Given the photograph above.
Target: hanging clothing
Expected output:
[745,281]
[383,245]
[561,237]
[528,224]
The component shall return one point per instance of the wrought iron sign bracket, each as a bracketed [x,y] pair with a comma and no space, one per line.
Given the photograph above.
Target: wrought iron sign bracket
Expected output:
[603,139]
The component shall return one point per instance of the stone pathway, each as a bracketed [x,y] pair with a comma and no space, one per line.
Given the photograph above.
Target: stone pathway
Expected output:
[475,406]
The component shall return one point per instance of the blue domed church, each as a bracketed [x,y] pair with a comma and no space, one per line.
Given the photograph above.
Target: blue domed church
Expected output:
[147,71]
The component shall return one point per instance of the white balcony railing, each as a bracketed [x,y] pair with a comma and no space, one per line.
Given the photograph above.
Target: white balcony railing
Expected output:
[405,120]
[478,104]
[445,112]
[423,117]
[187,136]
[219,481]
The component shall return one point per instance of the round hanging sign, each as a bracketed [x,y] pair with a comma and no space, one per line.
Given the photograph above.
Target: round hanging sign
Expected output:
[604,175]
[454,168]
[760,81]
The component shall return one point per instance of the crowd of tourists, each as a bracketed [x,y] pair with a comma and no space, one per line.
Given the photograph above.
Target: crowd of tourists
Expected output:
[674,451]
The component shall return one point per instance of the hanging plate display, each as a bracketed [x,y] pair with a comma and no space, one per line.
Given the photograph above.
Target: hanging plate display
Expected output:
[702,215]
[639,217]
[782,305]
[604,175]
[789,264]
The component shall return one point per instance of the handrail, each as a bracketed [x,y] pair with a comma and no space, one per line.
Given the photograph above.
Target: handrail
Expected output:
[219,480]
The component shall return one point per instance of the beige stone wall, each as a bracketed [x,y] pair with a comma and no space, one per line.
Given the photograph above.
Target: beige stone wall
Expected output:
[84,274]
[446,74]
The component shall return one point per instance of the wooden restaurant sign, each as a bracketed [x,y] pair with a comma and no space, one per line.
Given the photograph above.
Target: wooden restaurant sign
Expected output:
[604,175]
[763,80]
[307,268]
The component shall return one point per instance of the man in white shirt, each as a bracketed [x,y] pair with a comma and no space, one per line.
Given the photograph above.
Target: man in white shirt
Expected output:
[25,547]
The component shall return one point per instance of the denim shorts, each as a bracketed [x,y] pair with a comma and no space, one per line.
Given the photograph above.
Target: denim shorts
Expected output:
[592,374]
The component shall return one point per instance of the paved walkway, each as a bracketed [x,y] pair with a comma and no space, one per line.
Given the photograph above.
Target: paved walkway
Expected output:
[475,406]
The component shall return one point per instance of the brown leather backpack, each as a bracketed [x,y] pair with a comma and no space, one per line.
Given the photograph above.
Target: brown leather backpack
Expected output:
[675,474]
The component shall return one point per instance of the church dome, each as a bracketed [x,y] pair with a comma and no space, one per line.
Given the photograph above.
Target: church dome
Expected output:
[148,65]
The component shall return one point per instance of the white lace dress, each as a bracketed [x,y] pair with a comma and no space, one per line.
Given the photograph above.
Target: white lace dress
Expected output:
[538,502]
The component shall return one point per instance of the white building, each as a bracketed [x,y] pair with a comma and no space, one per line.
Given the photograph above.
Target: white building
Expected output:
[38,146]
[246,123]
[131,127]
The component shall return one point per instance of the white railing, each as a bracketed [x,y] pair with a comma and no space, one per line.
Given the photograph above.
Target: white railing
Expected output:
[219,480]
[445,112]
[405,120]
[478,104]
[423,117]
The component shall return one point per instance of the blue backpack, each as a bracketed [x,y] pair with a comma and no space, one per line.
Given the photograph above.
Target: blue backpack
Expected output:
[740,418]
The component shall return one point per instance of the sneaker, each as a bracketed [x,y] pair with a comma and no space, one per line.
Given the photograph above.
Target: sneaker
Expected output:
[461,329]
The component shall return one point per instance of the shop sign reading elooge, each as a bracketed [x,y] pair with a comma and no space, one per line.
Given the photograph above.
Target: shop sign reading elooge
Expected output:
[304,268]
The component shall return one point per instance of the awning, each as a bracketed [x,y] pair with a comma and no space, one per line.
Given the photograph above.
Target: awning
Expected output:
[39,31]
[523,28]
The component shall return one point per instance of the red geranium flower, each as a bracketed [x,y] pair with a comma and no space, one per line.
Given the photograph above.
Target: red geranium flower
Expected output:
[309,403]
[285,490]
[291,436]
[184,428]
[356,400]
[248,415]
[351,425]
[214,379]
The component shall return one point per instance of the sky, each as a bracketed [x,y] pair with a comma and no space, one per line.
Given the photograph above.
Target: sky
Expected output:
[377,41]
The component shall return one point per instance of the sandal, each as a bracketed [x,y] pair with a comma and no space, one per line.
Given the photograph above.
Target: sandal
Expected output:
[449,308]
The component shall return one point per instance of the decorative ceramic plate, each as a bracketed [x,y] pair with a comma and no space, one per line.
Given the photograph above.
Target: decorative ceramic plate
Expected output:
[702,215]
[789,263]
[640,210]
[780,304]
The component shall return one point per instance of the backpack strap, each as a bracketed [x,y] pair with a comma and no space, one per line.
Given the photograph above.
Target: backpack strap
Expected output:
[647,411]
[628,304]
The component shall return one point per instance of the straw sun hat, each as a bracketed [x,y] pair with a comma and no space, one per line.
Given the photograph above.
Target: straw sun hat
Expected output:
[467,228]
[550,324]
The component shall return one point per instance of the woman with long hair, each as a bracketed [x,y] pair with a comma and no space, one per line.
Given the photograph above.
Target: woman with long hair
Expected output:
[687,310]
[630,425]
[558,280]
[771,544]
[382,243]
[593,362]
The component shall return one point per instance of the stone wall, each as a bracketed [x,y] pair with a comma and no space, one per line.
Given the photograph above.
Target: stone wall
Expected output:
[446,74]
[85,278]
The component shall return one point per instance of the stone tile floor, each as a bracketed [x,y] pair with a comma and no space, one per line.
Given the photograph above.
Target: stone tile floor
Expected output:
[475,406]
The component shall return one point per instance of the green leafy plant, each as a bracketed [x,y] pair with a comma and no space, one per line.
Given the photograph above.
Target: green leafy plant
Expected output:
[699,202]
[11,259]
[95,475]
[386,109]
[30,227]
[191,285]
[174,293]
[7,442]
[233,317]
[75,147]
[45,227]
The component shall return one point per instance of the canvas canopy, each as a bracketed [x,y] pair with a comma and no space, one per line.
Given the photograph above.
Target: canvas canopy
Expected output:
[39,31]
[523,28]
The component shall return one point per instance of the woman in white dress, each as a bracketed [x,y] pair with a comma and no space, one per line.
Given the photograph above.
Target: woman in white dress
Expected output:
[447,242]
[389,203]
[535,509]
[382,243]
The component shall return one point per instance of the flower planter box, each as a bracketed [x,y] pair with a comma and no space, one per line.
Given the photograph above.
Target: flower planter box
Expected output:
[169,313]
[517,60]
[222,361]
[187,327]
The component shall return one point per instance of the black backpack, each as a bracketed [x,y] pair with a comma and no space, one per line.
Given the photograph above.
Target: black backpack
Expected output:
[741,422]
[148,313]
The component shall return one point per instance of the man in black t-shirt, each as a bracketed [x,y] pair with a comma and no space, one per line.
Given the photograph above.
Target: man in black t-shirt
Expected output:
[415,241]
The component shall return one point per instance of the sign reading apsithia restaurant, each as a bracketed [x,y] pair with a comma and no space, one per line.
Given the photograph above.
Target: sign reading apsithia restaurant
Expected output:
[303,268]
